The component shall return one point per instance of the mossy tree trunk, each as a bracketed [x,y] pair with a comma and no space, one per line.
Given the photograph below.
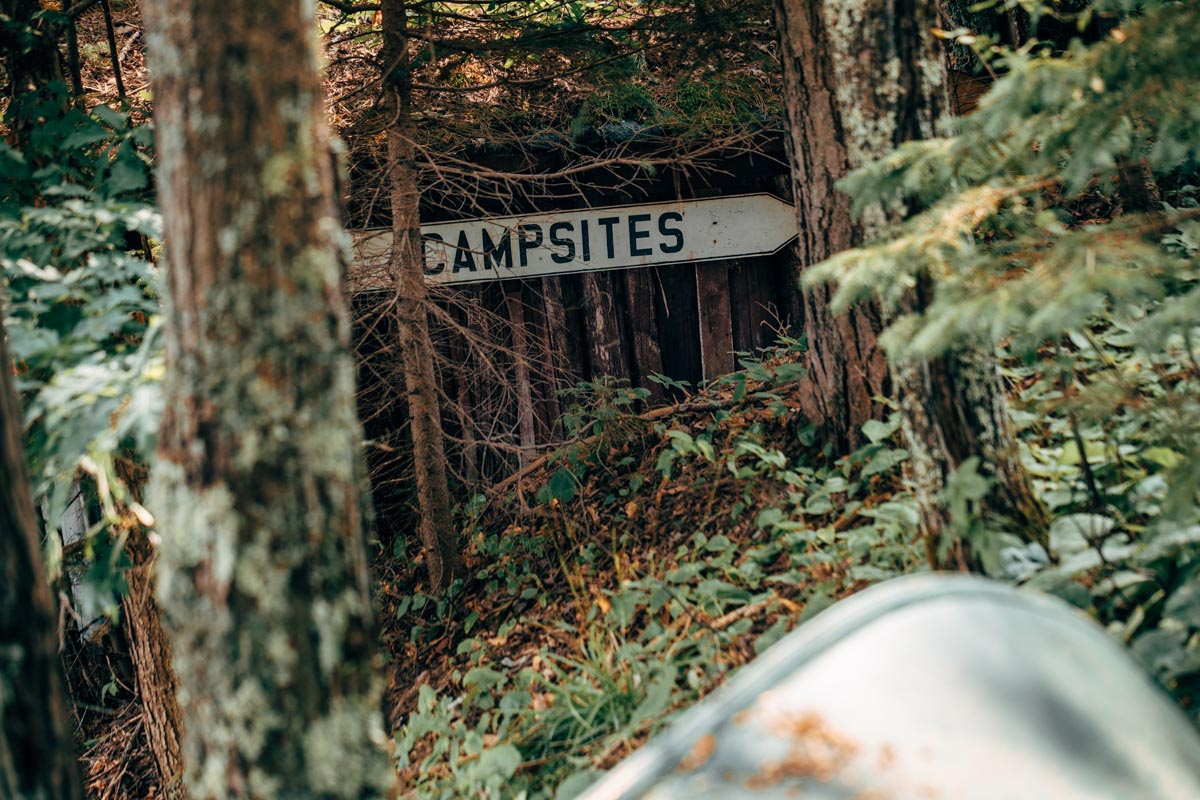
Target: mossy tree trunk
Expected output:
[437,532]
[37,751]
[860,78]
[262,570]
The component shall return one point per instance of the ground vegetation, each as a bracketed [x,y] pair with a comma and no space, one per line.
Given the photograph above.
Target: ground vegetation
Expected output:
[666,533]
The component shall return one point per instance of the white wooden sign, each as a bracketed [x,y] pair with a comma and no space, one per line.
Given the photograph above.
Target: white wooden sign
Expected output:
[586,240]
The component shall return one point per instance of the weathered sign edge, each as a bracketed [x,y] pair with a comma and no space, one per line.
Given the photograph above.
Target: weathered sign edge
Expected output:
[650,204]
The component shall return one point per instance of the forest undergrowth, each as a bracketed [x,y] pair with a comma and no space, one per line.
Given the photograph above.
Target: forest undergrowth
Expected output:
[626,576]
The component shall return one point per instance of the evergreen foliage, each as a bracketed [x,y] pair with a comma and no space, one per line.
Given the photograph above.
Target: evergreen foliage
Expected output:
[1060,221]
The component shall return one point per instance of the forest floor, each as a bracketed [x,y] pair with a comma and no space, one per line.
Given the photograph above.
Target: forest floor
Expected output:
[629,572]
[626,575]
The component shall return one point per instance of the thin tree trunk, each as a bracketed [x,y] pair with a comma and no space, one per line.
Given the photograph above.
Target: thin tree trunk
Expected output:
[860,78]
[438,536]
[113,52]
[150,651]
[262,572]
[1139,190]
[73,64]
[37,751]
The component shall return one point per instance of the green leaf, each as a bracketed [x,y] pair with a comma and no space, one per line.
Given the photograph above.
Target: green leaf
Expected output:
[1071,534]
[657,700]
[771,635]
[884,461]
[484,678]
[577,784]
[562,485]
[499,762]
[110,117]
[1165,457]
[665,459]
[816,603]
[128,172]
[877,431]
[1184,604]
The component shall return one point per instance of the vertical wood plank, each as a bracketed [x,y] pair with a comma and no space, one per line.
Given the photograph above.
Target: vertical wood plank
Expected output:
[574,311]
[716,326]
[459,358]
[496,416]
[771,292]
[678,323]
[607,351]
[520,346]
[558,363]
[541,362]
[740,302]
[787,268]
[640,286]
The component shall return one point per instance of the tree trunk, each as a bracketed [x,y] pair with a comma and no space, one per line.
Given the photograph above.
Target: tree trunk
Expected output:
[438,536]
[826,139]
[860,78]
[37,751]
[262,572]
[150,651]
[953,408]
[33,64]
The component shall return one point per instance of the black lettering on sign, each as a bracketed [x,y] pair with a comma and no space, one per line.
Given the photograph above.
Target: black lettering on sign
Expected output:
[440,266]
[531,237]
[464,259]
[556,240]
[607,223]
[666,230]
[585,241]
[635,234]
[499,252]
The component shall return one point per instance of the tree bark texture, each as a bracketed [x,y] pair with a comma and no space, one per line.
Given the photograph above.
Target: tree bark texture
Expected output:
[860,78]
[150,651]
[37,750]
[839,102]
[149,646]
[953,408]
[437,532]
[262,573]
[605,348]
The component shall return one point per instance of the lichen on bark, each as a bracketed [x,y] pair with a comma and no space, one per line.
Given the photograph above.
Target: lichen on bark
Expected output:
[860,78]
[263,563]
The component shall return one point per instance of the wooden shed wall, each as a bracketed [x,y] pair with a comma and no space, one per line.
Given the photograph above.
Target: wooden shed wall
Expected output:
[541,335]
